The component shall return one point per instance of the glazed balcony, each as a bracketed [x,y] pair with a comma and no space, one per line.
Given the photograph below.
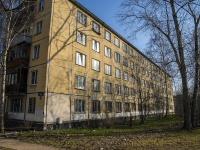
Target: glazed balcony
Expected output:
[16,89]
[21,39]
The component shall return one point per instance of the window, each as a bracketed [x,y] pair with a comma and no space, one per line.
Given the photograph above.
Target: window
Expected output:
[131,52]
[31,105]
[132,65]
[127,107]
[38,27]
[117,57]
[143,71]
[108,87]
[137,56]
[147,73]
[96,85]
[11,78]
[133,106]
[133,92]
[107,51]
[80,59]
[107,35]
[95,46]
[95,65]
[125,76]
[96,27]
[96,106]
[137,68]
[125,61]
[36,51]
[117,42]
[118,107]
[108,106]
[126,91]
[125,47]
[108,69]
[143,82]
[132,78]
[117,73]
[16,105]
[80,82]
[118,89]
[79,105]
[81,38]
[41,5]
[34,75]
[82,18]
[138,80]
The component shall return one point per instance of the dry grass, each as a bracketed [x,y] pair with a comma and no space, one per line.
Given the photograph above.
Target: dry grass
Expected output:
[154,134]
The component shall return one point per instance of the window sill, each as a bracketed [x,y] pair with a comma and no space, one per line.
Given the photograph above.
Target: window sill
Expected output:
[79,112]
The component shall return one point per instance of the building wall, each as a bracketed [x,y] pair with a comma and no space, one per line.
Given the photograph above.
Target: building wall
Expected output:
[57,68]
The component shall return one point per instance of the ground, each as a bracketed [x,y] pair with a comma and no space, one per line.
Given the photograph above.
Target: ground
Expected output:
[154,134]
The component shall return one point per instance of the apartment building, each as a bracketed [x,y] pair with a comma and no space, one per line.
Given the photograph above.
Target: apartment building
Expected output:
[74,67]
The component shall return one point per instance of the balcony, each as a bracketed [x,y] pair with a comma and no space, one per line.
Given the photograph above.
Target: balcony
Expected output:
[20,39]
[16,89]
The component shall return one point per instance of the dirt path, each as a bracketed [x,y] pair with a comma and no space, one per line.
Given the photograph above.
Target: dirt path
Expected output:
[17,145]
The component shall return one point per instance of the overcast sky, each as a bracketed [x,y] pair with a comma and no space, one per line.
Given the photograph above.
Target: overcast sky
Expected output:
[106,11]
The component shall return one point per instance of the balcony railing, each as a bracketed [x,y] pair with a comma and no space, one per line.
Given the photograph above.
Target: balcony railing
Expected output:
[16,89]
[21,38]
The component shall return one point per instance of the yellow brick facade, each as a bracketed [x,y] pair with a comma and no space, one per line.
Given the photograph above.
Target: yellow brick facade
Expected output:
[57,68]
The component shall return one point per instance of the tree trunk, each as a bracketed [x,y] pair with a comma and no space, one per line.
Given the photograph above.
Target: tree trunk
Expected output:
[196,78]
[3,92]
[186,104]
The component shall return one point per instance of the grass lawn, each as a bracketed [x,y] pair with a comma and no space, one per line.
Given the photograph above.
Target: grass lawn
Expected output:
[153,134]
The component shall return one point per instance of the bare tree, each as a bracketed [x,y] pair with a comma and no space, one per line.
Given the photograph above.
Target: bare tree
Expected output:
[15,16]
[171,19]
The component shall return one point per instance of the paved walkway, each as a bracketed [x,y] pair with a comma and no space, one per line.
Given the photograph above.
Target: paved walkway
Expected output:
[17,145]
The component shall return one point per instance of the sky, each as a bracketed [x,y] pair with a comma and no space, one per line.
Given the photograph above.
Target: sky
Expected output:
[106,11]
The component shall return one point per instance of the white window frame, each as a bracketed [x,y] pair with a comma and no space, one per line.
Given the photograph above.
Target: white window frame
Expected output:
[108,87]
[108,69]
[125,47]
[125,61]
[117,73]
[95,45]
[117,42]
[80,82]
[118,89]
[96,85]
[131,52]
[132,65]
[95,65]
[81,38]
[117,57]
[82,18]
[38,27]
[118,106]
[96,106]
[125,75]
[132,79]
[126,91]
[79,106]
[34,76]
[80,59]
[109,106]
[107,52]
[107,35]
[36,51]
[16,105]
[96,27]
